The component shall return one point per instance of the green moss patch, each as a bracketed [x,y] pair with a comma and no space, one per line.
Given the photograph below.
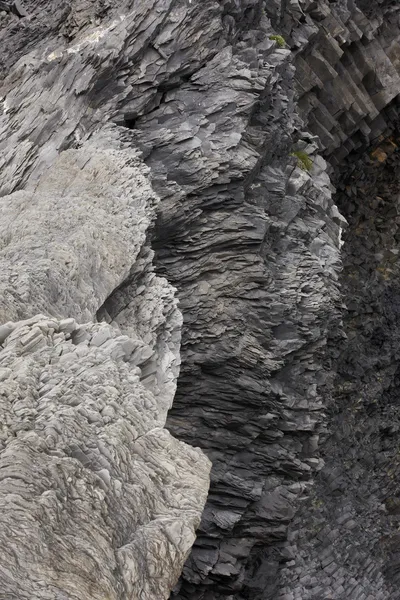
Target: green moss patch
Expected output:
[279,40]
[303,160]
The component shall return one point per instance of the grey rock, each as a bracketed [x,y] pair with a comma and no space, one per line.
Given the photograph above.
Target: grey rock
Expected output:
[247,239]
[88,470]
[84,424]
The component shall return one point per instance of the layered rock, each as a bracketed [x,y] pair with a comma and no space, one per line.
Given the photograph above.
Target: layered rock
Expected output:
[344,541]
[239,552]
[97,498]
[248,233]
[240,228]
[347,58]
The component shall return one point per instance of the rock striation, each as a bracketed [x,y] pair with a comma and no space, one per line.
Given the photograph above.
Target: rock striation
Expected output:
[97,498]
[347,73]
[347,58]
[177,149]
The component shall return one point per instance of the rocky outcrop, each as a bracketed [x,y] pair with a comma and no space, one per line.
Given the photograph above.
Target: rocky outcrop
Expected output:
[230,120]
[344,540]
[241,552]
[97,498]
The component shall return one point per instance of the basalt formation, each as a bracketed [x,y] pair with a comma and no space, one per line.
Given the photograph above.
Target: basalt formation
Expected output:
[240,158]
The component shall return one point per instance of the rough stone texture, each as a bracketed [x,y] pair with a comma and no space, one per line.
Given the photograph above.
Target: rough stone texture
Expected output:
[77,205]
[251,242]
[250,239]
[97,498]
[344,542]
[347,58]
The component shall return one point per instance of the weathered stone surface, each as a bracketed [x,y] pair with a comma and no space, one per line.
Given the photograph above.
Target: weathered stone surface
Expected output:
[344,541]
[97,498]
[251,240]
[62,229]
[347,58]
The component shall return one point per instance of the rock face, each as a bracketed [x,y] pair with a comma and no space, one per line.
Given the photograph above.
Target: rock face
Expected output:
[345,539]
[97,498]
[232,123]
[253,388]
[347,58]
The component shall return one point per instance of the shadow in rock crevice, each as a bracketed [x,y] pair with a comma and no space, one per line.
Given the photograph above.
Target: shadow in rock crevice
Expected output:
[367,392]
[350,543]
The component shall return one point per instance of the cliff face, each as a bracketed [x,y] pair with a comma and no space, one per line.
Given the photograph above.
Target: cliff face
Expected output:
[253,389]
[347,71]
[97,498]
[161,146]
[345,541]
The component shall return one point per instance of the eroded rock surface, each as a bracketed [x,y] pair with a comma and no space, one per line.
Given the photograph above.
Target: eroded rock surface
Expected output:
[347,58]
[97,498]
[250,237]
[344,540]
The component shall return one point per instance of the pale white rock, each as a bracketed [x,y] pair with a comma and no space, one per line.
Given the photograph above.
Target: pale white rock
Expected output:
[97,499]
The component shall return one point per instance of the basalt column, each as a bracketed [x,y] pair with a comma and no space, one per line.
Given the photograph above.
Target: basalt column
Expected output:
[344,539]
